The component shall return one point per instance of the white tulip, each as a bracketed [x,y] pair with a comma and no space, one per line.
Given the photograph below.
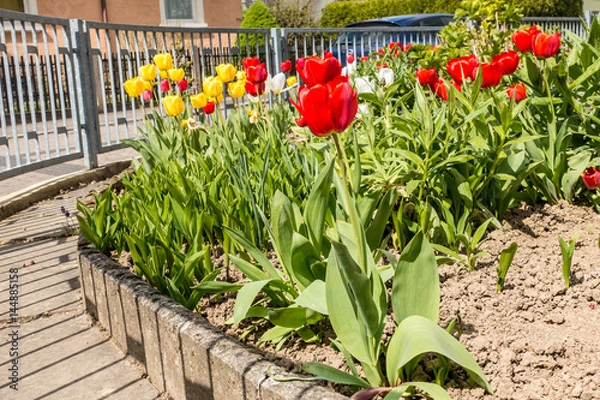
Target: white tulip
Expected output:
[385,76]
[276,83]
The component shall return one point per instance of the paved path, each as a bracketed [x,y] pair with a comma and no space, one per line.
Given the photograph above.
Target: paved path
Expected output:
[58,351]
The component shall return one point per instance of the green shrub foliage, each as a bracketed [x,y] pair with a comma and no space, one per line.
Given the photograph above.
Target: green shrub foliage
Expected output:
[343,12]
[257,16]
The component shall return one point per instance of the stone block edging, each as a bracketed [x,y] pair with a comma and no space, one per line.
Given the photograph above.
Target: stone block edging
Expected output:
[180,351]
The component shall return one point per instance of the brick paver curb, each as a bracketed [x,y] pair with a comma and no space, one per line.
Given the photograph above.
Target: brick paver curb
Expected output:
[181,352]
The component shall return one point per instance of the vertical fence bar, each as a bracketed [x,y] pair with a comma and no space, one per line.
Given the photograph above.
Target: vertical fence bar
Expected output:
[86,104]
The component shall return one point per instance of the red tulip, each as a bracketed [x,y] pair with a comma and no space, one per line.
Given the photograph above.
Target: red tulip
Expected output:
[462,68]
[327,108]
[256,73]
[286,66]
[546,45]
[517,92]
[491,74]
[427,76]
[509,61]
[165,86]
[318,71]
[523,38]
[182,85]
[591,178]
[255,89]
[147,95]
[364,58]
[250,62]
[440,89]
[300,63]
[209,108]
[350,58]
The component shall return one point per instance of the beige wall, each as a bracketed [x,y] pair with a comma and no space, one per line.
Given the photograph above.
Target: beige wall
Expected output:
[223,13]
[124,12]
[118,11]
[593,5]
[81,9]
[217,14]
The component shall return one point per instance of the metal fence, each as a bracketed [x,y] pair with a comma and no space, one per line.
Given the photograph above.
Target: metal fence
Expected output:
[61,80]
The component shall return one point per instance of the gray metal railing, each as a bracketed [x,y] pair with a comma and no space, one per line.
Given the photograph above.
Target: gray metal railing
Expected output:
[61,80]
[36,133]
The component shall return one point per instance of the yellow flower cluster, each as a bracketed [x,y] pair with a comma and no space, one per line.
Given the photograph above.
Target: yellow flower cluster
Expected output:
[213,86]
[171,82]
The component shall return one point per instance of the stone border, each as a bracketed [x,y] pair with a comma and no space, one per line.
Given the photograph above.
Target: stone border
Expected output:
[181,352]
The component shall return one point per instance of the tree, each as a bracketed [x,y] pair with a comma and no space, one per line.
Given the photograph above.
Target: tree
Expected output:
[292,13]
[257,16]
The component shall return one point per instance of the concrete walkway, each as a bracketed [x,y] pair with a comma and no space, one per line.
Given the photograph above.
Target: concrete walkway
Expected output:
[46,341]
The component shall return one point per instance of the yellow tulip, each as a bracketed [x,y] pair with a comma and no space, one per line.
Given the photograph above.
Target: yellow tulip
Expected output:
[291,81]
[199,100]
[163,75]
[226,72]
[134,87]
[173,105]
[176,74]
[147,72]
[212,86]
[147,85]
[164,61]
[237,89]
[241,76]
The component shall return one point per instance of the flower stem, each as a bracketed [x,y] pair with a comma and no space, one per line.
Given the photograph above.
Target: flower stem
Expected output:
[352,212]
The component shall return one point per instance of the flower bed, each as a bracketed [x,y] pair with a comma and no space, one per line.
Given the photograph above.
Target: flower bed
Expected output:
[414,149]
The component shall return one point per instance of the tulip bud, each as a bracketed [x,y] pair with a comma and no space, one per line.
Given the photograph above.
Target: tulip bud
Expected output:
[350,58]
[209,108]
[286,66]
[182,85]
[165,86]
[147,95]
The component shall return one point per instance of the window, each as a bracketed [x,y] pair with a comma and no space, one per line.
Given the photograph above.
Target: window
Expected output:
[182,12]
[28,6]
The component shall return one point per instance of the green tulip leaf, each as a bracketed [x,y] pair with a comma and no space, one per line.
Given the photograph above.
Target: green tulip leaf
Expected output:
[342,315]
[314,297]
[245,299]
[417,335]
[434,391]
[416,287]
[317,205]
[330,374]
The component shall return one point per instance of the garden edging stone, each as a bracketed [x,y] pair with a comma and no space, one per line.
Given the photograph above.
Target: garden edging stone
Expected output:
[180,351]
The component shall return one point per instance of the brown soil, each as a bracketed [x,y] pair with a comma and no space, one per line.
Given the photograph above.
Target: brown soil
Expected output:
[534,340]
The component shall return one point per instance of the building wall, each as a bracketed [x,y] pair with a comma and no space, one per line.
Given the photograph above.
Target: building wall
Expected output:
[593,5]
[223,13]
[80,9]
[217,14]
[124,12]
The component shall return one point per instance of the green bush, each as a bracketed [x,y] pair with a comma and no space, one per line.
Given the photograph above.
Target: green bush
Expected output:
[257,16]
[552,8]
[343,12]
[292,13]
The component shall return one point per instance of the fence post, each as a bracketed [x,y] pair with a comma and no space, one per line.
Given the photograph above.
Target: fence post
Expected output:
[589,17]
[86,99]
[277,56]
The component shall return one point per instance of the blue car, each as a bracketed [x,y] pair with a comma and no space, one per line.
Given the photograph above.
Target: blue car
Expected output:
[370,35]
